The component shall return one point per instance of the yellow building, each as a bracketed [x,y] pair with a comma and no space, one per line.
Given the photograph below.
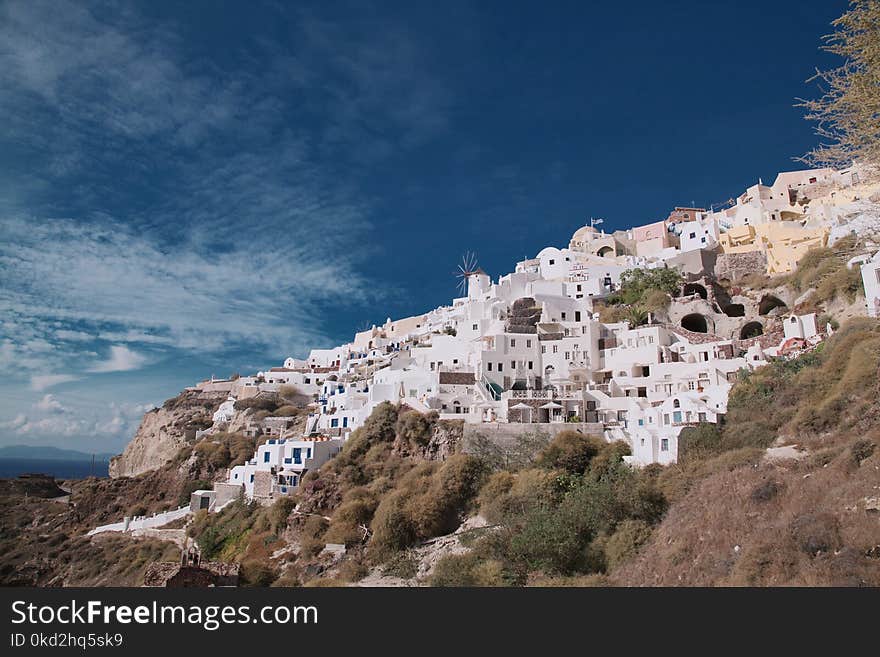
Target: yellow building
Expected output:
[783,243]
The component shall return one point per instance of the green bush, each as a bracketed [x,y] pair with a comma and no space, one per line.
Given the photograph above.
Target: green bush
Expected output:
[637,284]
[508,498]
[558,539]
[570,451]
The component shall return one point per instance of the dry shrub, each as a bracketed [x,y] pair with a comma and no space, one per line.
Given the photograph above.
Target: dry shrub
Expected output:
[766,491]
[415,428]
[676,480]
[460,570]
[352,570]
[429,501]
[580,581]
[815,533]
[625,542]
[257,572]
[506,496]
[326,583]
[571,451]
[862,449]
[345,525]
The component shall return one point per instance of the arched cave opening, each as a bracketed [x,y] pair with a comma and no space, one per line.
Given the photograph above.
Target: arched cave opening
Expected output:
[695,288]
[735,310]
[751,330]
[768,303]
[695,322]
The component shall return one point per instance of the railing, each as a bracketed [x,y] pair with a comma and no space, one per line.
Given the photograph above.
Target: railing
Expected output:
[535,394]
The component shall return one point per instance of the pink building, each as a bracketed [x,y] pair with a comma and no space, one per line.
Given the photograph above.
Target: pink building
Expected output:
[651,238]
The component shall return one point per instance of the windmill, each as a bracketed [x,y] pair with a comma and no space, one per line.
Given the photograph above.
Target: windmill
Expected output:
[466,269]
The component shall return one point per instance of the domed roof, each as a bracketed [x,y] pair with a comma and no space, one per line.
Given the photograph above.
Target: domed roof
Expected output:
[582,234]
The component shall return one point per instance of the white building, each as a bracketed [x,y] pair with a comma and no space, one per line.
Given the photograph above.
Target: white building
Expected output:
[871,281]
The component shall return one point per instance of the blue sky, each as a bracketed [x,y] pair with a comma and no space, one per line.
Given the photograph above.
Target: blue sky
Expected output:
[198,188]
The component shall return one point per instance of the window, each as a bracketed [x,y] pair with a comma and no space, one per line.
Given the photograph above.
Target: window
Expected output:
[252,478]
[555,349]
[664,444]
[513,364]
[563,317]
[578,288]
[567,355]
[691,385]
[552,262]
[543,349]
[641,422]
[489,366]
[265,457]
[528,344]
[701,417]
[676,403]
[676,416]
[500,367]
[475,326]
[512,342]
[577,315]
[530,364]
[666,418]
[334,422]
[692,235]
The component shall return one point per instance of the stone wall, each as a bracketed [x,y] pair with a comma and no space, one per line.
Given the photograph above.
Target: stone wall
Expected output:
[507,432]
[734,266]
[227,492]
[263,483]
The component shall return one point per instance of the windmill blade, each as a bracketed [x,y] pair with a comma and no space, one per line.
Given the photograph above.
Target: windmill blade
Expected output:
[466,269]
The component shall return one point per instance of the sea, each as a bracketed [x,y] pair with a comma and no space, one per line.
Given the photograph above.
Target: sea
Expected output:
[58,468]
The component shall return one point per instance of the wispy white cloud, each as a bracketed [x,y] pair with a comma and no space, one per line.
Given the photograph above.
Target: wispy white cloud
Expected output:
[112,420]
[105,274]
[41,382]
[122,359]
[204,211]
[48,404]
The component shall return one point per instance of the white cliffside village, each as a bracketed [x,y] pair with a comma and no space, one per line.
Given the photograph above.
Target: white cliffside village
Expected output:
[528,351]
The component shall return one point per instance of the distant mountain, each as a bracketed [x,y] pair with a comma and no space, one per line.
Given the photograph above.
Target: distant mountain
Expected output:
[49,453]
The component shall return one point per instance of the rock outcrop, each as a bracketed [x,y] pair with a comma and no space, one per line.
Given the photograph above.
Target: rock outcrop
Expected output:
[164,431]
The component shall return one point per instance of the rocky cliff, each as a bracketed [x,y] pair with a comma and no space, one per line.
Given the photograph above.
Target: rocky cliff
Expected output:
[164,431]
